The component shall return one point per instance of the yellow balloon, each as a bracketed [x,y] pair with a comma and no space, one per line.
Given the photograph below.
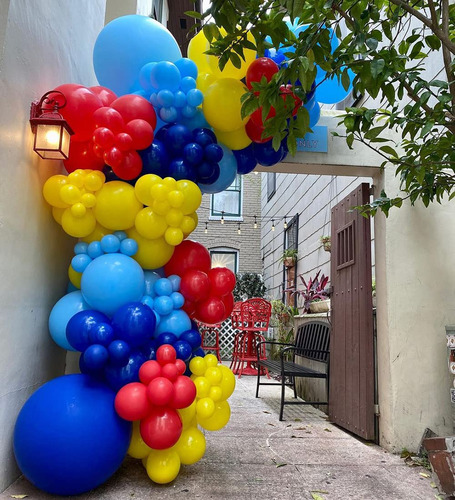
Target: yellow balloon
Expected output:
[96,234]
[78,226]
[214,375]
[57,214]
[163,466]
[51,190]
[78,210]
[160,191]
[222,105]
[188,225]
[202,387]
[143,188]
[236,139]
[193,196]
[94,180]
[198,366]
[204,81]
[138,449]
[77,178]
[88,200]
[173,236]
[117,206]
[191,446]
[227,383]
[161,207]
[149,224]
[211,360]
[70,194]
[196,52]
[205,408]
[151,254]
[74,277]
[187,414]
[216,393]
[176,198]
[174,217]
[230,71]
[219,418]
[170,182]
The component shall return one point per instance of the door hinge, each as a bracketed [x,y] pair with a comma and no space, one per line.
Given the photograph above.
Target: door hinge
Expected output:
[376,410]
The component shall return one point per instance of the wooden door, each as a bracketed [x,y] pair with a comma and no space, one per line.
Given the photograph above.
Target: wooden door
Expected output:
[351,394]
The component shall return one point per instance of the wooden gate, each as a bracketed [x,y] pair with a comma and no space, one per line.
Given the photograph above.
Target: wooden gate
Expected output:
[351,395]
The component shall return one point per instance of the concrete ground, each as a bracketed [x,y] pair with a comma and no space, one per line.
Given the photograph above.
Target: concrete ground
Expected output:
[258,457]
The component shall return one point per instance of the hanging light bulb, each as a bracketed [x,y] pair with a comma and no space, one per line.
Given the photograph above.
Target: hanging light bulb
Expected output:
[285,225]
[206,230]
[273,225]
[255,223]
[222,218]
[239,231]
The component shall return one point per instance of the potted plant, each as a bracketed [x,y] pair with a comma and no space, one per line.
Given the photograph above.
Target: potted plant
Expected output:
[326,243]
[314,294]
[282,321]
[289,257]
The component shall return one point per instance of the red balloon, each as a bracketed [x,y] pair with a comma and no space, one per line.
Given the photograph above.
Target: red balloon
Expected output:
[98,152]
[162,428]
[188,255]
[106,95]
[165,354]
[113,156]
[103,137]
[131,402]
[130,167]
[254,132]
[195,285]
[81,103]
[184,393]
[181,366]
[256,116]
[189,307]
[109,118]
[263,66]
[82,156]
[210,311]
[222,280]
[286,90]
[149,370]
[160,391]
[228,301]
[133,107]
[170,371]
[141,132]
[123,141]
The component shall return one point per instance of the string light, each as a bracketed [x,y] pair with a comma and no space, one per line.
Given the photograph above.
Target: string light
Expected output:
[206,230]
[285,225]
[222,218]
[273,225]
[255,223]
[239,231]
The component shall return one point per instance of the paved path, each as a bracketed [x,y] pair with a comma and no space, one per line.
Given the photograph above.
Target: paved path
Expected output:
[257,457]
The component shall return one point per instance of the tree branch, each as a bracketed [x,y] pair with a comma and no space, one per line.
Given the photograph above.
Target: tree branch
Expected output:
[445,52]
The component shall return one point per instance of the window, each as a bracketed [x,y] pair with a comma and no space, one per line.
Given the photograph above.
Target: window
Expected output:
[225,257]
[271,184]
[229,202]
[292,233]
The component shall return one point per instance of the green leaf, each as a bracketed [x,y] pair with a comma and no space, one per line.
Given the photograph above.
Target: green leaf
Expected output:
[192,13]
[433,42]
[345,80]
[374,132]
[389,150]
[376,67]
[350,140]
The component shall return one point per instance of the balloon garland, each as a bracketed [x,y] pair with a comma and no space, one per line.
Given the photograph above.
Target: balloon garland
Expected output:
[157,132]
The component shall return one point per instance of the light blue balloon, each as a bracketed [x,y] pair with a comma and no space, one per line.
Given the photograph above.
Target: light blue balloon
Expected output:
[314,110]
[168,115]
[125,45]
[175,282]
[165,75]
[111,281]
[196,121]
[129,247]
[189,111]
[80,262]
[141,93]
[121,235]
[144,76]
[150,277]
[179,99]
[61,313]
[163,305]
[162,287]
[148,301]
[94,249]
[154,99]
[187,67]
[178,299]
[165,98]
[80,247]
[194,97]
[177,322]
[110,243]
[187,84]
[228,171]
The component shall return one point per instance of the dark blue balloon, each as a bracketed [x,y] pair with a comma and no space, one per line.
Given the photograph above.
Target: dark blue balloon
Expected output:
[103,334]
[204,136]
[117,377]
[246,159]
[213,153]
[162,132]
[149,349]
[80,326]
[193,154]
[177,137]
[193,337]
[119,352]
[166,338]
[199,352]
[95,358]
[179,169]
[134,322]
[183,349]
[68,439]
[111,176]
[266,155]
[155,159]
[208,173]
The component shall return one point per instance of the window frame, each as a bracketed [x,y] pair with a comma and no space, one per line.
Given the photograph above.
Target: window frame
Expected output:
[227,215]
[226,251]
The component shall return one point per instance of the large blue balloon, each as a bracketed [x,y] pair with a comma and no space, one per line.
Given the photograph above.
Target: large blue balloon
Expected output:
[246,159]
[228,171]
[61,313]
[82,326]
[266,155]
[155,159]
[112,280]
[176,322]
[68,438]
[134,323]
[127,44]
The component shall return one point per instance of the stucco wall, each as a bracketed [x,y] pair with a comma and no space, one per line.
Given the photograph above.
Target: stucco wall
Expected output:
[44,45]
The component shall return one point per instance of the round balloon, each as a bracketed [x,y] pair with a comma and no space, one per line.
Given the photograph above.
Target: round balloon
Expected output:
[228,171]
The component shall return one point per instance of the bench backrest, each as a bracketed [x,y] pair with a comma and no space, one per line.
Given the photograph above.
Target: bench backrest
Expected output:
[312,340]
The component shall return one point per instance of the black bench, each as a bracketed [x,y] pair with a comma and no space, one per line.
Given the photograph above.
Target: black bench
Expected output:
[311,342]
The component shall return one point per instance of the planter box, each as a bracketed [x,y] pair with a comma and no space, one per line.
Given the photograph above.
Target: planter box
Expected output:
[320,307]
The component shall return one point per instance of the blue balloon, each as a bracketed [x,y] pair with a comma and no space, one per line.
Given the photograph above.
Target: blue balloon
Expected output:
[208,173]
[183,350]
[110,243]
[165,98]
[119,352]
[101,333]
[68,439]
[81,328]
[125,45]
[155,159]
[163,305]
[213,153]
[165,75]
[176,322]
[61,313]
[144,76]
[134,323]
[162,286]
[166,338]
[129,247]
[194,121]
[314,111]
[188,112]
[149,349]
[95,358]
[177,299]
[193,154]
[179,170]
[80,261]
[266,155]
[193,337]
[246,159]
[169,114]
[175,282]
[177,137]
[194,97]
[204,136]
[94,250]
[188,83]
[117,377]
[111,281]
[71,288]
[80,247]
[187,67]
[199,352]
[228,171]
[179,99]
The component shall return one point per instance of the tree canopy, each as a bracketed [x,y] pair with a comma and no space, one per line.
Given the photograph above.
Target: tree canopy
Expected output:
[386,44]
